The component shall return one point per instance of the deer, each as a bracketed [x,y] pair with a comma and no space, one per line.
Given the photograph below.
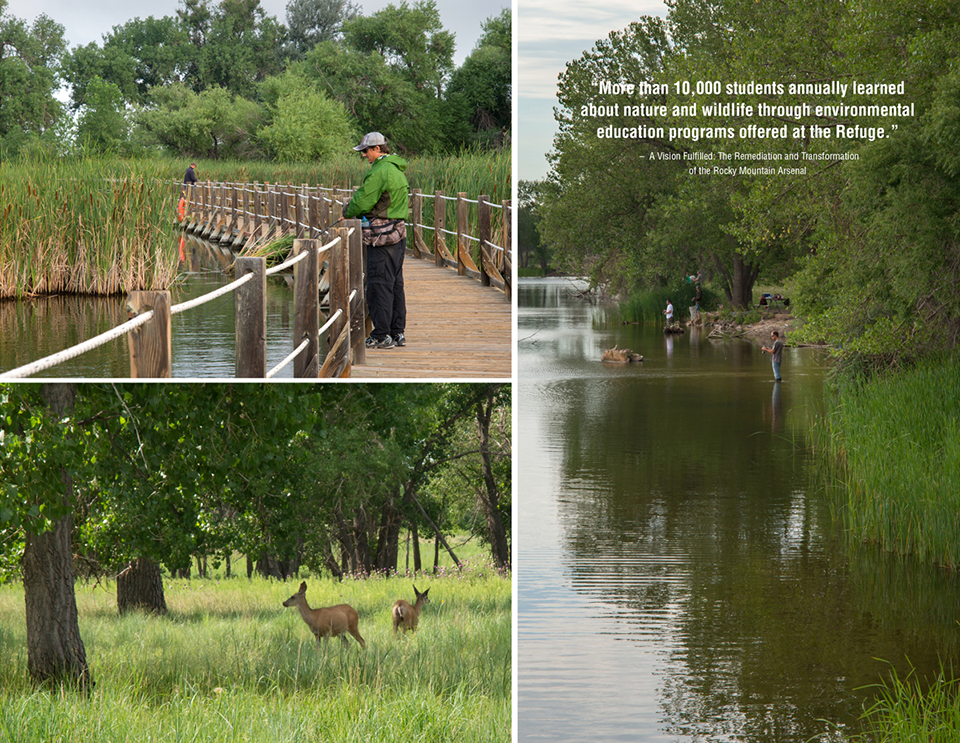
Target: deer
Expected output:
[330,621]
[406,615]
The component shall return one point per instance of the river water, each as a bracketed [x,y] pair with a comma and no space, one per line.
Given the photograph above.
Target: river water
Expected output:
[681,576]
[203,338]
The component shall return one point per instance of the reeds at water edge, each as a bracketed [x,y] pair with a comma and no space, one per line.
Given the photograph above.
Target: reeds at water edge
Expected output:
[86,227]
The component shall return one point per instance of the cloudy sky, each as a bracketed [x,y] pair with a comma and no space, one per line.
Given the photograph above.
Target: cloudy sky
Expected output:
[551,33]
[90,21]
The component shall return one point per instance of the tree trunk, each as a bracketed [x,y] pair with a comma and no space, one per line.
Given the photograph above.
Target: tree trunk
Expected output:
[140,586]
[388,538]
[55,650]
[415,538]
[490,496]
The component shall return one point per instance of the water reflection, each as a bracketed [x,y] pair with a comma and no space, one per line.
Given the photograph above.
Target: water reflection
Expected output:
[679,575]
[203,338]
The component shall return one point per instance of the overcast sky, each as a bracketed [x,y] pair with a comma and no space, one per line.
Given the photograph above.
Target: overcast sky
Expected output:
[90,21]
[551,33]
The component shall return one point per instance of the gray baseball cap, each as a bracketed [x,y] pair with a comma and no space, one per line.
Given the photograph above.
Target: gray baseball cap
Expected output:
[373,139]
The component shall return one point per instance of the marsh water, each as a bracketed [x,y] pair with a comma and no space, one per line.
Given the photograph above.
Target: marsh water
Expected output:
[203,338]
[681,575]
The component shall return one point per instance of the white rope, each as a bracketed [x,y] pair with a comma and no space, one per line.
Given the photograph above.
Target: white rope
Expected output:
[70,353]
[328,323]
[287,263]
[296,352]
[226,289]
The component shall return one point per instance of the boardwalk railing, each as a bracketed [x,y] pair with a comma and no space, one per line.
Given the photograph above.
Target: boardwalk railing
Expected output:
[241,215]
[320,351]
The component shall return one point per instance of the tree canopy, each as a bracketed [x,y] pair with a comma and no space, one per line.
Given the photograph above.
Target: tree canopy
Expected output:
[390,71]
[860,222]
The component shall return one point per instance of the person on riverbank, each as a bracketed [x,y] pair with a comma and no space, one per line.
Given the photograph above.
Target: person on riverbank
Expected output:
[776,354]
[668,313]
[382,200]
[191,175]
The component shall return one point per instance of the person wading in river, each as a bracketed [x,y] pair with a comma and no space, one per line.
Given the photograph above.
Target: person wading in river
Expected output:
[776,354]
[382,201]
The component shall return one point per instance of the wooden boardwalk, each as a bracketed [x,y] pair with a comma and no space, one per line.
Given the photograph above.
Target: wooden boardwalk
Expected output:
[455,329]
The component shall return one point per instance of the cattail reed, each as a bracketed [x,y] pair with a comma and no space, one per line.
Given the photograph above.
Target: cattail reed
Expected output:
[86,227]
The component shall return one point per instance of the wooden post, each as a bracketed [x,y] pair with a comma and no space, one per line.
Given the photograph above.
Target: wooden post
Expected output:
[250,313]
[416,216]
[358,307]
[439,224]
[306,310]
[313,216]
[461,232]
[506,259]
[337,363]
[271,207]
[484,233]
[324,219]
[151,345]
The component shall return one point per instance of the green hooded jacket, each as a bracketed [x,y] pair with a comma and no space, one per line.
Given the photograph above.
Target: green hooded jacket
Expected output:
[383,193]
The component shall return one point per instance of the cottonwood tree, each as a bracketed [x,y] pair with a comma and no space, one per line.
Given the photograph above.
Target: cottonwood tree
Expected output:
[29,57]
[38,465]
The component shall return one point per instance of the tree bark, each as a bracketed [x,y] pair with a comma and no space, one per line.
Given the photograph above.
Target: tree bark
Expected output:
[140,586]
[55,650]
[490,496]
[388,537]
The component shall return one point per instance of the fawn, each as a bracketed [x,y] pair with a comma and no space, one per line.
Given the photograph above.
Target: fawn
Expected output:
[329,621]
[406,615]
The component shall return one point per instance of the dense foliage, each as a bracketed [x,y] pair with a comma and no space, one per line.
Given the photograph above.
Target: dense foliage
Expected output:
[869,242]
[319,475]
[224,79]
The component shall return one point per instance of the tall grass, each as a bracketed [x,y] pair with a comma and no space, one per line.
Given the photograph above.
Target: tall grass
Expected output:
[84,227]
[647,306]
[897,441]
[231,663]
[905,712]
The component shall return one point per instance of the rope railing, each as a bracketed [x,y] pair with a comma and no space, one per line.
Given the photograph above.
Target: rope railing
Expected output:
[35,367]
[143,318]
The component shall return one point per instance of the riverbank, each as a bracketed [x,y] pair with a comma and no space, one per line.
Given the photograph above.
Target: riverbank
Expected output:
[896,441]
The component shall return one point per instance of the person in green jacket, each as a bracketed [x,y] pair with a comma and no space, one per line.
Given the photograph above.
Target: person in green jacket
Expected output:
[382,200]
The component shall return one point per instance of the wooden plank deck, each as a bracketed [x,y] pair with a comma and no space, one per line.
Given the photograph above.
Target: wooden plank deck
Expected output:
[455,329]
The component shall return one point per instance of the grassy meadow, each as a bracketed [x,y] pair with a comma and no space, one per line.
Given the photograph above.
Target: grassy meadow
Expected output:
[230,663]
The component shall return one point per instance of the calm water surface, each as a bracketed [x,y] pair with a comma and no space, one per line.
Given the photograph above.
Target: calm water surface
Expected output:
[203,337]
[680,576]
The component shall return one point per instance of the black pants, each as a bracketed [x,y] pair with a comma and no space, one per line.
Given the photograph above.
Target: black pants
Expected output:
[385,298]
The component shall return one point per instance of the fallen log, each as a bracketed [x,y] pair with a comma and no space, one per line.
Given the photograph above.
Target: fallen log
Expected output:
[617,355]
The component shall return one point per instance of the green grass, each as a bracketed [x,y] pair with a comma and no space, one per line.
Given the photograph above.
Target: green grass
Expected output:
[906,713]
[85,227]
[897,441]
[230,663]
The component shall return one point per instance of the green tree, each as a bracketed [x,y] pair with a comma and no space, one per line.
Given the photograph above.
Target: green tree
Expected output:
[304,124]
[310,22]
[136,56]
[29,56]
[478,97]
[39,446]
[389,72]
[102,125]
[214,123]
